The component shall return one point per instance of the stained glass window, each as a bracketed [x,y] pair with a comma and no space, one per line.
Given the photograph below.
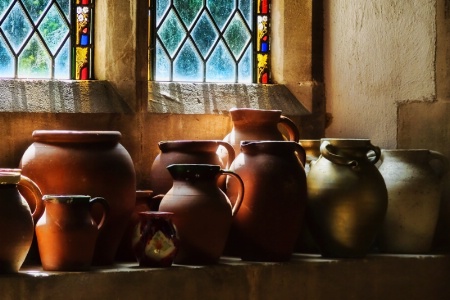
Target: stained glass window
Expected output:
[49,39]
[210,40]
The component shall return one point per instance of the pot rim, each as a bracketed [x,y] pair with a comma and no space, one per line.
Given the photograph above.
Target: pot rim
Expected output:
[76,136]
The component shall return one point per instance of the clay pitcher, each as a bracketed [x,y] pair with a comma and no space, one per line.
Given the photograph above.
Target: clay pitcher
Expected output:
[186,152]
[16,218]
[66,233]
[202,212]
[347,197]
[68,162]
[270,219]
[251,124]
[414,182]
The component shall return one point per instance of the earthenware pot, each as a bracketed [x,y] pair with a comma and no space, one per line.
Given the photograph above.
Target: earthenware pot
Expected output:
[86,163]
[155,240]
[66,233]
[202,212]
[347,197]
[16,218]
[269,221]
[414,182]
[251,124]
[186,152]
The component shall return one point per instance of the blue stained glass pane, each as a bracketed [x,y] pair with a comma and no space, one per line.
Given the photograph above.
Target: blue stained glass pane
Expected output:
[161,7]
[237,36]
[188,66]
[4,4]
[245,6]
[16,27]
[245,67]
[221,10]
[221,66]
[171,33]
[53,29]
[34,62]
[35,8]
[163,68]
[204,34]
[6,60]
[62,62]
[264,47]
[188,10]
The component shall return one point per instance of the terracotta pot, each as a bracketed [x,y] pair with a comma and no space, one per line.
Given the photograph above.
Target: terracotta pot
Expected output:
[66,232]
[256,125]
[16,219]
[186,152]
[144,202]
[86,163]
[202,212]
[155,240]
[347,197]
[413,179]
[269,221]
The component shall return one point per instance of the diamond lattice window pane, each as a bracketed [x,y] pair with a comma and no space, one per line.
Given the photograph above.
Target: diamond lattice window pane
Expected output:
[246,67]
[163,66]
[188,65]
[4,4]
[35,8]
[237,36]
[6,60]
[221,10]
[54,29]
[62,62]
[16,27]
[162,6]
[188,10]
[65,6]
[204,34]
[35,61]
[245,8]
[221,66]
[171,33]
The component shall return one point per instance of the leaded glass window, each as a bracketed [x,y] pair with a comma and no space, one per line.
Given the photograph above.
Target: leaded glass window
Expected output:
[210,40]
[49,39]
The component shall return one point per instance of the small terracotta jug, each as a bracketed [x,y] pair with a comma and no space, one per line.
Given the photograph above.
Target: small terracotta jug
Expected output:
[251,124]
[270,219]
[16,219]
[202,212]
[347,197]
[414,183]
[155,240]
[66,232]
[186,152]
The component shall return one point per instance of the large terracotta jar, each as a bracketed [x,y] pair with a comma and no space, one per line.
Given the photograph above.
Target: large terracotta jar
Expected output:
[270,219]
[86,163]
[16,219]
[414,183]
[202,212]
[186,152]
[251,124]
[66,232]
[347,197]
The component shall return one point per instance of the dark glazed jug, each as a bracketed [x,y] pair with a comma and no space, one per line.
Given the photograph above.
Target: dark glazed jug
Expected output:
[270,219]
[202,212]
[256,125]
[186,152]
[86,163]
[347,197]
[66,232]
[16,219]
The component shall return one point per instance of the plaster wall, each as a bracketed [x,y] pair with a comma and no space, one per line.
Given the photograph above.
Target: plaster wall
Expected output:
[378,55]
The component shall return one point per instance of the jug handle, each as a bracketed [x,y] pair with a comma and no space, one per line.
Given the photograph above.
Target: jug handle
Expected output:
[105,205]
[240,195]
[230,150]
[440,157]
[301,153]
[37,195]
[294,134]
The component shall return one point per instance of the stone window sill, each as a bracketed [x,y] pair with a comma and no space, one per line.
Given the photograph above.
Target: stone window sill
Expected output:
[304,277]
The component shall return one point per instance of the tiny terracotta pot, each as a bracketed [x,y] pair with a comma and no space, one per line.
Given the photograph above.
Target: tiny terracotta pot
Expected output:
[66,233]
[155,240]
